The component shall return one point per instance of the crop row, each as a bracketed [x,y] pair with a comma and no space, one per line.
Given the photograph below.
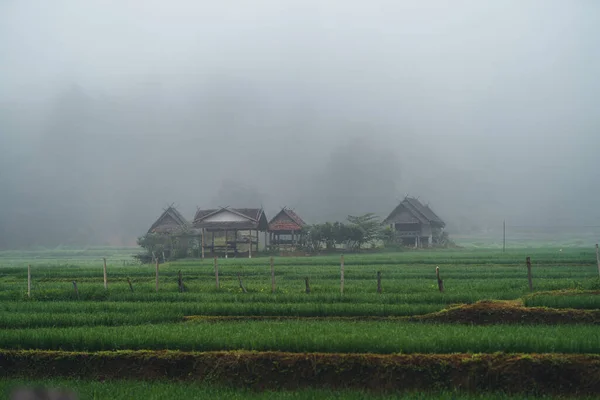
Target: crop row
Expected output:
[64,314]
[313,336]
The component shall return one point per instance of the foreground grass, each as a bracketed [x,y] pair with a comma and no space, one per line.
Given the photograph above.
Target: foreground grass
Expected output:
[130,390]
[314,336]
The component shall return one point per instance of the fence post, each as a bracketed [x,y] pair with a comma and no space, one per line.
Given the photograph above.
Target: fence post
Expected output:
[307,285]
[180,282]
[217,272]
[29,280]
[529,277]
[598,258]
[342,274]
[130,285]
[76,290]
[272,277]
[105,280]
[440,282]
[241,283]
[157,274]
[378,281]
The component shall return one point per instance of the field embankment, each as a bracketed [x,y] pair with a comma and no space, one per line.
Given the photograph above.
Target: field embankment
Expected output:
[521,373]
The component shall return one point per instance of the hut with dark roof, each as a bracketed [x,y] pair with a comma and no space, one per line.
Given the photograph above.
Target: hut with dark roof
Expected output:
[236,225]
[170,221]
[285,228]
[414,222]
[170,235]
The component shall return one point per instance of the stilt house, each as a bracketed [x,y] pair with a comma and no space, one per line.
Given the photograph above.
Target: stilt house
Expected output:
[415,223]
[285,228]
[234,226]
[170,221]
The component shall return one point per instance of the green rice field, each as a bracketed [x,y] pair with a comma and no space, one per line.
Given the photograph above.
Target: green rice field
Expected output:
[288,320]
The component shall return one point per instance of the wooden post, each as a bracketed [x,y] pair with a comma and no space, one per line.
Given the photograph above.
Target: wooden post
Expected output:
[225,244]
[217,272]
[157,275]
[529,277]
[504,236]
[378,281]
[180,282]
[307,285]
[342,274]
[29,280]
[105,280]
[130,285]
[440,282]
[76,290]
[598,258]
[241,283]
[250,247]
[272,277]
[202,243]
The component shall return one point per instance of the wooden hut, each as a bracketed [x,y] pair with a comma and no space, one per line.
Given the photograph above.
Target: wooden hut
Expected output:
[235,225]
[414,222]
[170,221]
[170,235]
[285,228]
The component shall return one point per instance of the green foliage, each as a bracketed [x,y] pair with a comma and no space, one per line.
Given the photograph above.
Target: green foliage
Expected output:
[312,336]
[165,390]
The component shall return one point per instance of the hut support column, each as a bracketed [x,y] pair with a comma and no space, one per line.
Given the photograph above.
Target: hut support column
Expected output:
[213,243]
[226,244]
[416,242]
[235,235]
[202,244]
[250,247]
[265,240]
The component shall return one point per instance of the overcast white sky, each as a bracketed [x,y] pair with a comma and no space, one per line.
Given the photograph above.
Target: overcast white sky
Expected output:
[487,109]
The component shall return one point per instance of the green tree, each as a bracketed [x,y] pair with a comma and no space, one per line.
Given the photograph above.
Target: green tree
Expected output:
[369,227]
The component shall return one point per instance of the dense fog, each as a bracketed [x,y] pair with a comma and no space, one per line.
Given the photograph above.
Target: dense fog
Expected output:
[112,110]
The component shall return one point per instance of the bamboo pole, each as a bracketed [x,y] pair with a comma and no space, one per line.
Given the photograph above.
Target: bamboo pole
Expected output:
[272,277]
[157,274]
[529,277]
[440,281]
[307,285]
[130,285]
[105,277]
[504,236]
[342,274]
[180,282]
[598,258]
[241,283]
[29,280]
[217,272]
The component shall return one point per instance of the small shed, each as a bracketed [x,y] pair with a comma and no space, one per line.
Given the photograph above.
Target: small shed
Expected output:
[414,222]
[235,225]
[285,228]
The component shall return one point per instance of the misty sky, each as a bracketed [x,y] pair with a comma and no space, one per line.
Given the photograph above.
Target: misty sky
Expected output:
[111,110]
